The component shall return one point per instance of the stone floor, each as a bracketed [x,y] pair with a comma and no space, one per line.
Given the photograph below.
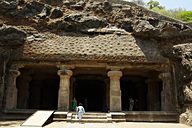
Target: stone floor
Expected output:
[16,124]
[8,124]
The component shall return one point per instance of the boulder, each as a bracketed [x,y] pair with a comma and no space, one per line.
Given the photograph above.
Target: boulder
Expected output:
[126,24]
[11,36]
[68,3]
[186,118]
[168,29]
[31,9]
[144,29]
[96,7]
[92,22]
[79,21]
[56,13]
[79,5]
[107,6]
[6,7]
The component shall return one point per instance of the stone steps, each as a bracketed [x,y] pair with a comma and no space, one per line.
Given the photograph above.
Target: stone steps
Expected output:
[87,117]
[92,116]
[83,120]
[59,114]
[118,120]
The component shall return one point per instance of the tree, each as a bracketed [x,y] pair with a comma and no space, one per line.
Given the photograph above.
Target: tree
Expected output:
[154,4]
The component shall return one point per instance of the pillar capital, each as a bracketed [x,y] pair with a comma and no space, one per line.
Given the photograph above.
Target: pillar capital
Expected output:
[65,72]
[165,75]
[114,74]
[164,67]
[14,73]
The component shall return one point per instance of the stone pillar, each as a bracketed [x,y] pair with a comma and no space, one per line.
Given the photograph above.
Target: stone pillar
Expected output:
[64,89]
[11,97]
[153,95]
[23,91]
[115,91]
[166,93]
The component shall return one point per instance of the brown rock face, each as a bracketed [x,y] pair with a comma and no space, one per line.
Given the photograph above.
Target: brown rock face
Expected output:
[56,13]
[186,118]
[74,16]
[11,36]
[183,52]
[7,6]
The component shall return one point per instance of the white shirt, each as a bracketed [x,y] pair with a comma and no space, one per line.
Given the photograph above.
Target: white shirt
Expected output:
[80,109]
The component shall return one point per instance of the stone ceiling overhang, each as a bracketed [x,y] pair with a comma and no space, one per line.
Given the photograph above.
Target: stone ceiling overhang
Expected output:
[82,47]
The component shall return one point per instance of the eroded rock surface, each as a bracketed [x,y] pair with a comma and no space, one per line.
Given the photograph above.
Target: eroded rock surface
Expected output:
[78,15]
[186,118]
[11,36]
[183,52]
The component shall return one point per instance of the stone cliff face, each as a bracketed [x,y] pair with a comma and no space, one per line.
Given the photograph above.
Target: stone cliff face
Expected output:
[184,79]
[80,16]
[22,21]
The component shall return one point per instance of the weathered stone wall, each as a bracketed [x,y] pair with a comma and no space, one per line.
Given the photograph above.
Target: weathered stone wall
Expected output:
[10,39]
[180,53]
[3,62]
[184,79]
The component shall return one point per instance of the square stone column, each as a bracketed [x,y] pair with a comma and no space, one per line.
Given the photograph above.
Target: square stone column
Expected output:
[115,91]
[167,98]
[11,93]
[63,97]
[153,95]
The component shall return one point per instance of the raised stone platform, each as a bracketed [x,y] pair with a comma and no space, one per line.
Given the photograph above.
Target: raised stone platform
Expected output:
[145,116]
[139,116]
[133,116]
[16,114]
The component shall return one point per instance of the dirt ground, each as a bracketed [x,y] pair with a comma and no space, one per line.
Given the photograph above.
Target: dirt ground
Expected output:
[62,124]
